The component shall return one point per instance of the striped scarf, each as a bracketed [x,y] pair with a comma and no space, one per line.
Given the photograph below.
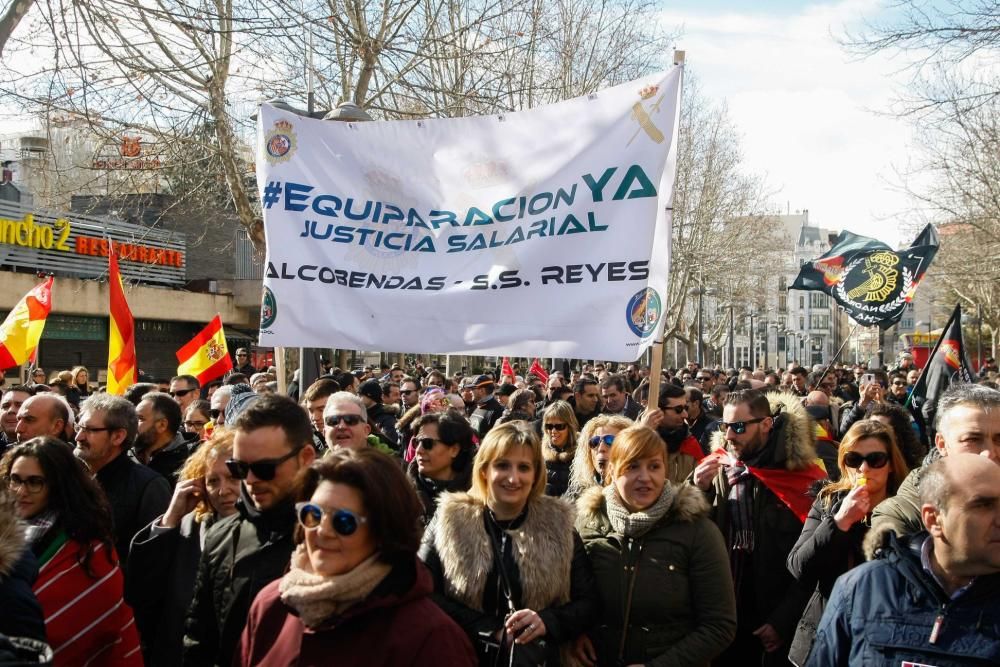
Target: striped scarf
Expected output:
[741,533]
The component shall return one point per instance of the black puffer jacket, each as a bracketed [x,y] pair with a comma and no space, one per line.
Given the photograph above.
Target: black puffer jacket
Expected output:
[822,553]
[242,554]
[429,490]
[161,582]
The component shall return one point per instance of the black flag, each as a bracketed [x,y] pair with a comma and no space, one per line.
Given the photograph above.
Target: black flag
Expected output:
[947,364]
[869,279]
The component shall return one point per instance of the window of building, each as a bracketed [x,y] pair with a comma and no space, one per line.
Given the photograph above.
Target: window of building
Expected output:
[802,302]
[802,322]
[819,322]
[782,283]
[782,303]
[818,300]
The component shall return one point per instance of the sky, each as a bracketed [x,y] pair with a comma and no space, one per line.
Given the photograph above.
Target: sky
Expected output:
[811,114]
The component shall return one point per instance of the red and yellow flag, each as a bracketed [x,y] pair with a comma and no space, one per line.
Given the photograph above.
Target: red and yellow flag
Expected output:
[206,356]
[20,332]
[122,365]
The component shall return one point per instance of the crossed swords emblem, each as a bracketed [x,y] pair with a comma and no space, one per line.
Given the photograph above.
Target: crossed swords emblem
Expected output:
[644,117]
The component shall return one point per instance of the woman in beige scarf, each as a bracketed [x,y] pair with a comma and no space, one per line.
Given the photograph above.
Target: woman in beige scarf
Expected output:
[355,592]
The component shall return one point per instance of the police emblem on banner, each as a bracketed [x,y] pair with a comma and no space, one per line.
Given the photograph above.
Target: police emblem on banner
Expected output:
[268,309]
[643,312]
[280,142]
[874,287]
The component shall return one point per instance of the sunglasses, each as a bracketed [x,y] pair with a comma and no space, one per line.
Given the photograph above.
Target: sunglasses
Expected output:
[556,427]
[344,522]
[427,444]
[676,409]
[596,441]
[180,392]
[407,392]
[264,470]
[334,420]
[874,460]
[739,427]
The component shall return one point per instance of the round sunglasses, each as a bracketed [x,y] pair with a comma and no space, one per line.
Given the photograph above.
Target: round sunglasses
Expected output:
[874,460]
[344,522]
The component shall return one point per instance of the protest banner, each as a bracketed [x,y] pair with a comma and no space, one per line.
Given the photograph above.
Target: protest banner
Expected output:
[539,233]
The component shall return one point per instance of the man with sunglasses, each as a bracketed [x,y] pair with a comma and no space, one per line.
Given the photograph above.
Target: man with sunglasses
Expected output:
[683,450]
[184,390]
[345,420]
[243,364]
[968,422]
[769,439]
[245,552]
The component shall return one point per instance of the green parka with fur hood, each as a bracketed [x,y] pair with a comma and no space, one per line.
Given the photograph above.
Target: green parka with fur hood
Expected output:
[682,609]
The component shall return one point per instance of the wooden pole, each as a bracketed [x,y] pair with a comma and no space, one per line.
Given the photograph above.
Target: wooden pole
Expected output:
[655,369]
[279,364]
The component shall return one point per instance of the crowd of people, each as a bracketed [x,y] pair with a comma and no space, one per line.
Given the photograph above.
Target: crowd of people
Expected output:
[401,516]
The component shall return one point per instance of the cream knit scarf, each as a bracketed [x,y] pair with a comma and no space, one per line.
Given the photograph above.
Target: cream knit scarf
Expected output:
[636,524]
[317,598]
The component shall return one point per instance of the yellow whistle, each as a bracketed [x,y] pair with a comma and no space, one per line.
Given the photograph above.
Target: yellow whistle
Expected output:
[861,481]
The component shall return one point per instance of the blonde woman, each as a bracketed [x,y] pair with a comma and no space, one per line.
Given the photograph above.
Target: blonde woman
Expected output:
[164,558]
[559,432]
[660,563]
[508,566]
[593,450]
[871,469]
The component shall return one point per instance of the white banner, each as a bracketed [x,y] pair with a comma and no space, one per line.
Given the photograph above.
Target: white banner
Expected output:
[540,233]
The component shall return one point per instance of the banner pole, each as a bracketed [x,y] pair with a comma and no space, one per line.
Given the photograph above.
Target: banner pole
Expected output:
[655,370]
[279,364]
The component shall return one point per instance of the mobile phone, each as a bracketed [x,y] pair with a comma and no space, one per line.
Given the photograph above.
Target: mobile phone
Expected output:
[868,378]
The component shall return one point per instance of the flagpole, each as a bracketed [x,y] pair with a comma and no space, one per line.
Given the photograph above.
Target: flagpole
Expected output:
[932,354]
[837,356]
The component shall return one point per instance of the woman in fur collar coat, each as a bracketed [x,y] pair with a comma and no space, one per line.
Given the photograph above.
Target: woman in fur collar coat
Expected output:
[559,432]
[661,564]
[540,597]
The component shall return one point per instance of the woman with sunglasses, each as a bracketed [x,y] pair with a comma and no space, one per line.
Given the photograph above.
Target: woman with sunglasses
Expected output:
[593,450]
[871,470]
[661,565]
[79,586]
[197,415]
[355,592]
[559,432]
[433,400]
[507,564]
[163,560]
[443,457]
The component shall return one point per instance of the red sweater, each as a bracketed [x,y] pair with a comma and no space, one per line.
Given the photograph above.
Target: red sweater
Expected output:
[86,618]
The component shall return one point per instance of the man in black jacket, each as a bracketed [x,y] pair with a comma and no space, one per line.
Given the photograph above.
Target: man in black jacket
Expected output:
[245,552]
[104,433]
[488,409]
[160,443]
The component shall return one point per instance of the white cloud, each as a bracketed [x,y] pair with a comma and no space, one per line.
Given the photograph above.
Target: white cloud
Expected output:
[807,110]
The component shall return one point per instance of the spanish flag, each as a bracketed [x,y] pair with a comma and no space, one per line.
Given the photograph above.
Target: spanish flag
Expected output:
[122,365]
[20,332]
[205,356]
